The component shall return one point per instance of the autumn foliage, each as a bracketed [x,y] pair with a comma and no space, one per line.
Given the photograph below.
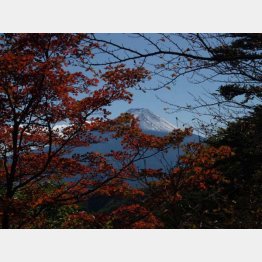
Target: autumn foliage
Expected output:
[46,80]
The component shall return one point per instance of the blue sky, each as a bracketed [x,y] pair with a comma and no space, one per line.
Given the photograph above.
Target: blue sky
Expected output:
[179,93]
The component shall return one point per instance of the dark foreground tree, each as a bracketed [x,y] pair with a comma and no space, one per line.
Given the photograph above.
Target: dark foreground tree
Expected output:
[242,194]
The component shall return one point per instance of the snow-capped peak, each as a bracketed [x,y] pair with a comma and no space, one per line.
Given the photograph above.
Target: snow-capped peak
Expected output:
[150,121]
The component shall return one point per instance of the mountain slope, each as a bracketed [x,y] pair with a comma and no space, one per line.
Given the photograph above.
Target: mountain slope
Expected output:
[151,122]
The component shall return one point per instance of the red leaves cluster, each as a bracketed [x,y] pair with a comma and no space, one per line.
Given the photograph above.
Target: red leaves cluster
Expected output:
[195,170]
[80,220]
[121,77]
[46,80]
[134,216]
[199,163]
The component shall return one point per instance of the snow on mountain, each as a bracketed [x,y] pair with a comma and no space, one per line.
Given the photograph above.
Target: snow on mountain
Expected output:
[148,121]
[151,122]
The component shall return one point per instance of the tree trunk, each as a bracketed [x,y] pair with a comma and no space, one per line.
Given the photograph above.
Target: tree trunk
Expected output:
[5,219]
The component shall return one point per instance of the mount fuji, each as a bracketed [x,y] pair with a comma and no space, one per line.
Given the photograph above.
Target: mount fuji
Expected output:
[150,124]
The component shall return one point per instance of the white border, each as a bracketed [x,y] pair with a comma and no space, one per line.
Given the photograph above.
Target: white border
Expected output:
[130,16]
[130,245]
